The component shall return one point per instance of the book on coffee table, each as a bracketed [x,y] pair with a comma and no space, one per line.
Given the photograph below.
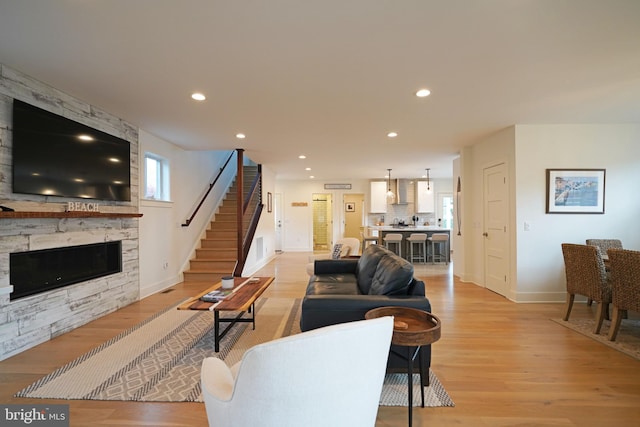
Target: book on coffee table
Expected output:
[216,296]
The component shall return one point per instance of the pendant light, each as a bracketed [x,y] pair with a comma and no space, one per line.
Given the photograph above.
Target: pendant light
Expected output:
[428,181]
[390,196]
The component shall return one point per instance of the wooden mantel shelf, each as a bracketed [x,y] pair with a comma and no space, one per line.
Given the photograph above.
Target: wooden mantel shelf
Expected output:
[73,214]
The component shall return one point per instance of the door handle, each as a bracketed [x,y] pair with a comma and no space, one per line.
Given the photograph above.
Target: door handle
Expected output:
[485,234]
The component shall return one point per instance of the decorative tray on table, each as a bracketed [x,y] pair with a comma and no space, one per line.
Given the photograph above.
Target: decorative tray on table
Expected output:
[411,327]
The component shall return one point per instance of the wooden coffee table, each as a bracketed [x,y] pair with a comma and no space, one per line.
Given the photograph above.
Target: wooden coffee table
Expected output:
[244,294]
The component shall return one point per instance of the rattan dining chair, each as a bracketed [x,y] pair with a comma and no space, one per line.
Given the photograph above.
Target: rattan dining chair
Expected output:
[625,285]
[604,245]
[585,273]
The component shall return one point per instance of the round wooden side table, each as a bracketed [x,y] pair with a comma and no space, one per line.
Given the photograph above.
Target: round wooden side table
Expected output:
[413,329]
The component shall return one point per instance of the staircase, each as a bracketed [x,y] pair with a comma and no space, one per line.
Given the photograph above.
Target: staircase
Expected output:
[217,254]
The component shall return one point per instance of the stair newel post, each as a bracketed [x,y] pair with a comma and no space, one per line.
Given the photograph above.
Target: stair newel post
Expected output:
[239,204]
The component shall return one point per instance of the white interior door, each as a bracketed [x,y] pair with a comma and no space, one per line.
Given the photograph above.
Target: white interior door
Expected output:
[495,229]
[353,210]
[277,206]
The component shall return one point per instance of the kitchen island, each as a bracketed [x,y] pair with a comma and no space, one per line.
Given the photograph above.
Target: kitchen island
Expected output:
[406,231]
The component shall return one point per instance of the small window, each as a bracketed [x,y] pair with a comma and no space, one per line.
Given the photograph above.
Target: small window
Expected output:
[156,177]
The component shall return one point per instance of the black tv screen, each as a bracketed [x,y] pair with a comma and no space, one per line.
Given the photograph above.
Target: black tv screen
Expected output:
[56,156]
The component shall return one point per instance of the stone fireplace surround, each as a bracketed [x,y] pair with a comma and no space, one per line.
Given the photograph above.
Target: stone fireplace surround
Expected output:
[29,321]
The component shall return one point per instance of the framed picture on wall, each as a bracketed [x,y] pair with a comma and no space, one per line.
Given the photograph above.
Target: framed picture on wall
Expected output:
[350,207]
[269,202]
[575,191]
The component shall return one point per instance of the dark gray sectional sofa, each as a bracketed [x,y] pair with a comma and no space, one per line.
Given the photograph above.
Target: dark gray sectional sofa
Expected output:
[343,290]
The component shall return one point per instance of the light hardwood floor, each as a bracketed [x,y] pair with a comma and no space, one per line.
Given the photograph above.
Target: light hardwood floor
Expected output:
[503,364]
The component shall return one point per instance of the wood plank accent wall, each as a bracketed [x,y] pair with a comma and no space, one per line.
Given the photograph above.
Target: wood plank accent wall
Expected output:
[29,321]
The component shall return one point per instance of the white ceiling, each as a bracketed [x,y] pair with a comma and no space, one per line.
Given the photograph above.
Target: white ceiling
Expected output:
[330,78]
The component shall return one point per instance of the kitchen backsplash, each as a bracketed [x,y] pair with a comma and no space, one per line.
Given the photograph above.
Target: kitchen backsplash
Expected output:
[401,213]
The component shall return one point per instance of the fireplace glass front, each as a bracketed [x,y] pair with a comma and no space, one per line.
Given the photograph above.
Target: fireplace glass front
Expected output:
[33,272]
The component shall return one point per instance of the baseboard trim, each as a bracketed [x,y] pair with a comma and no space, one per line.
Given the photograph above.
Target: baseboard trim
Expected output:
[158,287]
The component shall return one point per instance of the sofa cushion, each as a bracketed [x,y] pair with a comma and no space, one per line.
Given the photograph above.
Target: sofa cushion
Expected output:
[392,276]
[367,265]
[334,284]
[336,266]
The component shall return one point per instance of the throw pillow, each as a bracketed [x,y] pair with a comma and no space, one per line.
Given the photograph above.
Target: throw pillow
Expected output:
[337,248]
[392,277]
[367,264]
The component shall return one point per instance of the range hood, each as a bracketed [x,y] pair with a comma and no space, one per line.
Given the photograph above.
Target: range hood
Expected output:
[401,192]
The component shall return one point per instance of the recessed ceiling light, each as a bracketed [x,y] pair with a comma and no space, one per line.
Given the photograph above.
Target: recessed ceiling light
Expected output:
[114,160]
[198,96]
[423,92]
[392,134]
[240,135]
[302,156]
[311,176]
[85,137]
[307,169]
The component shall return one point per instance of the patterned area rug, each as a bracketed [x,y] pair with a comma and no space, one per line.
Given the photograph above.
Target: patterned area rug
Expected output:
[394,391]
[159,359]
[627,340]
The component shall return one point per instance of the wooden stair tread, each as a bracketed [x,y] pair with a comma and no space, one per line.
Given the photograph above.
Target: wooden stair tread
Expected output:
[217,253]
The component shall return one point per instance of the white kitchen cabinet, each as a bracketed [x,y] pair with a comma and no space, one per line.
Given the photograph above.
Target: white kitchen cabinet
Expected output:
[378,197]
[425,199]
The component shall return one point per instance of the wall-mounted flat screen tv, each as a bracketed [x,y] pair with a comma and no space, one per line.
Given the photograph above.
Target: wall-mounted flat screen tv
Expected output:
[56,156]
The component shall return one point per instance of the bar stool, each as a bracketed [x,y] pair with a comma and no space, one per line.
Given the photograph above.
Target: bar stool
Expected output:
[393,239]
[440,239]
[418,240]
[367,240]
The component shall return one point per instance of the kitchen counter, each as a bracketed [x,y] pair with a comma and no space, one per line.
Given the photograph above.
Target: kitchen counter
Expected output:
[381,230]
[409,228]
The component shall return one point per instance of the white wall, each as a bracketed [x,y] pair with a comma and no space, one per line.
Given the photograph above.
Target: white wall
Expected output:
[495,149]
[165,245]
[616,148]
[297,221]
[536,264]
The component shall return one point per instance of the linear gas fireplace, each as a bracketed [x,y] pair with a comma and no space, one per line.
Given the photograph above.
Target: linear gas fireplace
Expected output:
[43,270]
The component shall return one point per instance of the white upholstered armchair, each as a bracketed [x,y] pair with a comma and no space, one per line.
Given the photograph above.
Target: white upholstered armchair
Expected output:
[330,376]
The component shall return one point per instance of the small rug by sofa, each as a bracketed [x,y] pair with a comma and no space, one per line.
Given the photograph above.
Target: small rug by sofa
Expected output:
[627,340]
[159,359]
